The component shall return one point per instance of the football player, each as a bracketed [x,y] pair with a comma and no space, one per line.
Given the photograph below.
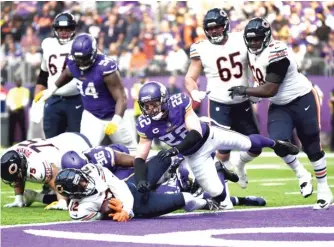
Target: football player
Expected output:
[223,58]
[173,121]
[62,111]
[294,104]
[38,161]
[103,95]
[92,185]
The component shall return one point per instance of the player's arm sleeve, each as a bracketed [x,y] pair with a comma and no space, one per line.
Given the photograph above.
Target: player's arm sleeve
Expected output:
[120,190]
[277,70]
[43,78]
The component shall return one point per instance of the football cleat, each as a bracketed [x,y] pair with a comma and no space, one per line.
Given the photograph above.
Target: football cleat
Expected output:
[30,197]
[242,174]
[325,199]
[211,205]
[305,185]
[228,174]
[226,204]
[283,148]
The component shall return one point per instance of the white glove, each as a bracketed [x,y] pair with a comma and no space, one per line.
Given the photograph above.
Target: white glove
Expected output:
[18,203]
[57,205]
[198,95]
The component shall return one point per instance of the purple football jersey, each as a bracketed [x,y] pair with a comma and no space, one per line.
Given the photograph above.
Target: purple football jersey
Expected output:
[171,130]
[96,97]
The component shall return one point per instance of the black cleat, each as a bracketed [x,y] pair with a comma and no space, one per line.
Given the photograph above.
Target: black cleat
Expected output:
[228,174]
[283,148]
[211,205]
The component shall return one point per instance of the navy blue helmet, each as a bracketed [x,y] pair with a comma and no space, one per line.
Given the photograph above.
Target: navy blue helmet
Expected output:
[257,35]
[13,167]
[153,100]
[84,51]
[72,159]
[64,26]
[216,25]
[74,183]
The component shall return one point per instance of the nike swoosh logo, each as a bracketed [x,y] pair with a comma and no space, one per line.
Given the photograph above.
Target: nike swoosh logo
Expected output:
[323,205]
[78,106]
[307,108]
[247,109]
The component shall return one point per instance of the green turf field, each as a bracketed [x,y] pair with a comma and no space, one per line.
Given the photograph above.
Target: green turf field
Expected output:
[268,177]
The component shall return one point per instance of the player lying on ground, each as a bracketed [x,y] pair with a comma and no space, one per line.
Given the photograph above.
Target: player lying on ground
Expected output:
[171,177]
[96,193]
[172,120]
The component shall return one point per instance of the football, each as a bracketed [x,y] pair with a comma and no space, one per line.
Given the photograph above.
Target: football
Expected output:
[105,210]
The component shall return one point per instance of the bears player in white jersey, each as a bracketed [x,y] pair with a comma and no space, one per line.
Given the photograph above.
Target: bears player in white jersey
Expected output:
[89,187]
[294,104]
[38,161]
[223,57]
[102,92]
[62,111]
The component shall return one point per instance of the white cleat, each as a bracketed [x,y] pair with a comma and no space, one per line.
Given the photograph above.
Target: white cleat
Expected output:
[325,199]
[226,204]
[30,197]
[305,185]
[243,179]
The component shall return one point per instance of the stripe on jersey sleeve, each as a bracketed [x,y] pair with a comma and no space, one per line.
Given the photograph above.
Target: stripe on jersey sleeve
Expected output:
[278,55]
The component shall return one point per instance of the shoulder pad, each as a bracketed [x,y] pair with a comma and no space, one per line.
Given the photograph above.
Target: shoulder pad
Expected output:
[81,211]
[277,51]
[143,125]
[106,64]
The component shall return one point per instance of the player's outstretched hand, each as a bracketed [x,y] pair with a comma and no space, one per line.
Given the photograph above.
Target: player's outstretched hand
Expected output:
[237,91]
[116,205]
[198,96]
[43,95]
[164,154]
[122,216]
[110,128]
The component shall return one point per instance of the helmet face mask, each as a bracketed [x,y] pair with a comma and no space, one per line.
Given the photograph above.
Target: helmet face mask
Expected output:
[257,35]
[13,167]
[153,100]
[216,25]
[84,51]
[64,27]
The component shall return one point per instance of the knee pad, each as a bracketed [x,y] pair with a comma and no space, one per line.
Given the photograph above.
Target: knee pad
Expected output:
[313,157]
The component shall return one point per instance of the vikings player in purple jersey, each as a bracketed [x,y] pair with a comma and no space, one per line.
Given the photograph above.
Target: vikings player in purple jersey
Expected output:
[173,121]
[102,92]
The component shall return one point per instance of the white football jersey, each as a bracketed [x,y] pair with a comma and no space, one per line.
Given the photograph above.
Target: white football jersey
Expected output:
[42,154]
[53,62]
[224,66]
[294,84]
[107,186]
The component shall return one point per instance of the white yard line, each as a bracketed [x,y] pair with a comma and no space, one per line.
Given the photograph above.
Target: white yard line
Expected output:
[168,215]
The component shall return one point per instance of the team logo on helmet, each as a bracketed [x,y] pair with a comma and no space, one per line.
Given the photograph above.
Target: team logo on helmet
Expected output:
[265,24]
[13,168]
[59,188]
[223,13]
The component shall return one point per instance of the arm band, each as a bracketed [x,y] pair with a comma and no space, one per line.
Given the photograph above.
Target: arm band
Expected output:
[140,169]
[43,78]
[191,139]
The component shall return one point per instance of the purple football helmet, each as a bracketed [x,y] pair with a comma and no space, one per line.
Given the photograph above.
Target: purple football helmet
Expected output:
[84,51]
[185,178]
[72,159]
[153,100]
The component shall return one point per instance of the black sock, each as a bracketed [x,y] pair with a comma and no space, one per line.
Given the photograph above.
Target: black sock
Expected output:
[47,199]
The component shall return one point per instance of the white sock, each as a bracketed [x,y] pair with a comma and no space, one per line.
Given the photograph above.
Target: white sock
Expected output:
[243,158]
[320,170]
[295,165]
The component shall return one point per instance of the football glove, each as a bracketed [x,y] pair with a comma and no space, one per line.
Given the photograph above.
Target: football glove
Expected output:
[18,202]
[164,154]
[116,205]
[43,95]
[198,95]
[143,186]
[122,216]
[57,205]
[112,126]
[237,91]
